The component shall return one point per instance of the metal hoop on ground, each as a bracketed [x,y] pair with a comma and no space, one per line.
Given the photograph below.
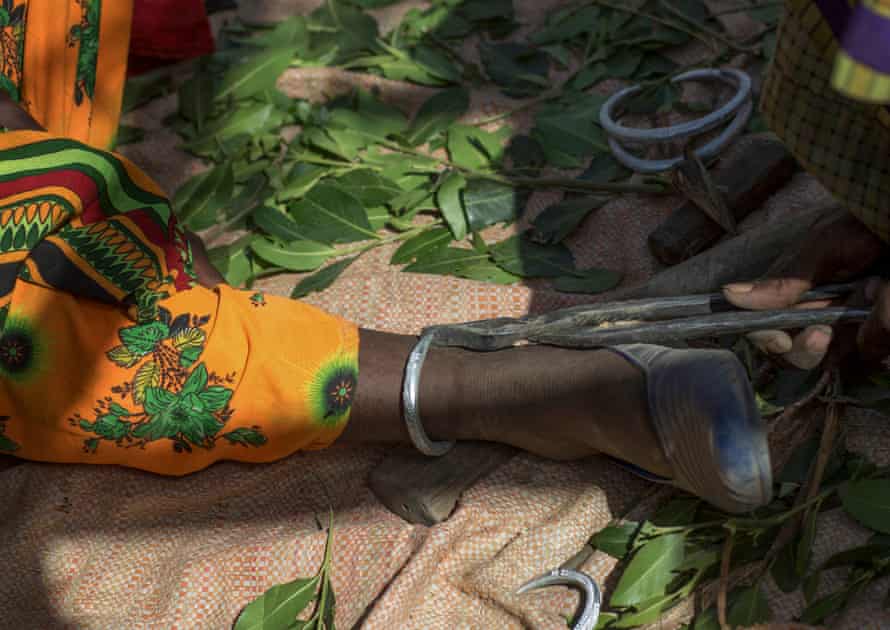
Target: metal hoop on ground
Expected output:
[737,110]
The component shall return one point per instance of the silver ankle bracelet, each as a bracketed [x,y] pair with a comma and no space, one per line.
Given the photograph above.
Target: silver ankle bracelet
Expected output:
[410,395]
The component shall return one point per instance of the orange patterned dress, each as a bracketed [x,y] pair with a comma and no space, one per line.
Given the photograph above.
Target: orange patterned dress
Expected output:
[109,352]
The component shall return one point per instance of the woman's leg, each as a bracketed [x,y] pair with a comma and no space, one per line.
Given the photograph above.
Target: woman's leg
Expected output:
[559,403]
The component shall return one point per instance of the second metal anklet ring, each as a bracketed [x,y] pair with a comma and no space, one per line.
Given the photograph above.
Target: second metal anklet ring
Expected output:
[410,399]
[739,108]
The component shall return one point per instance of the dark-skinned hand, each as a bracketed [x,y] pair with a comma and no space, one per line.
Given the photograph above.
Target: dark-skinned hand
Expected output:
[842,250]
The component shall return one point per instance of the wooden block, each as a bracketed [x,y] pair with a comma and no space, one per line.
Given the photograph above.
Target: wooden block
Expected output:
[424,490]
[762,168]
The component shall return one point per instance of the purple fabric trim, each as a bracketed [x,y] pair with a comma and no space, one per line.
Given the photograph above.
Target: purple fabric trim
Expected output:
[867,39]
[837,13]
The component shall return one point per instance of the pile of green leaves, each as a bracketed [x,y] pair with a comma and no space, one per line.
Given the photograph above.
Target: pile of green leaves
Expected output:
[279,607]
[317,185]
[681,547]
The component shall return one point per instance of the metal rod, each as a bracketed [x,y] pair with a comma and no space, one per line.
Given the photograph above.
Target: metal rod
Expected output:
[576,322]
[734,323]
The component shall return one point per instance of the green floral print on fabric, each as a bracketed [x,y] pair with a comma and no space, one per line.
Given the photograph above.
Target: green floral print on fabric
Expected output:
[12,46]
[332,391]
[22,348]
[86,35]
[173,396]
[6,445]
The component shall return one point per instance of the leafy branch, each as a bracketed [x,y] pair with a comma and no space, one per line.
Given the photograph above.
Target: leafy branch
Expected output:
[312,183]
[279,607]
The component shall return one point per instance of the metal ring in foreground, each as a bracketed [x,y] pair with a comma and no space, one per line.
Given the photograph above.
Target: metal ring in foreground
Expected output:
[592,596]
[410,396]
[739,108]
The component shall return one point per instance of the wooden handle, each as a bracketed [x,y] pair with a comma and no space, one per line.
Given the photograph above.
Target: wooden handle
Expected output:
[761,168]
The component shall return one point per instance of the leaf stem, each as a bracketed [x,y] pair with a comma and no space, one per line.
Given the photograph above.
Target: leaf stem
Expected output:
[725,562]
[747,523]
[359,249]
[704,29]
[654,18]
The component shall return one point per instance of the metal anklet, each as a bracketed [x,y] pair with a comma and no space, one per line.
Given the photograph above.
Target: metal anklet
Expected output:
[735,112]
[410,395]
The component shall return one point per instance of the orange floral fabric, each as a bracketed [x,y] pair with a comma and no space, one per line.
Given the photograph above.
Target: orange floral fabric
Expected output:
[66,62]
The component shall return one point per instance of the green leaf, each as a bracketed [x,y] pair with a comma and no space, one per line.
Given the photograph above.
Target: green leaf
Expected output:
[143,88]
[655,66]
[565,25]
[784,567]
[437,114]
[474,148]
[485,10]
[337,142]
[378,217]
[279,606]
[605,620]
[659,98]
[447,261]
[449,199]
[624,63]
[486,271]
[349,28]
[368,187]
[196,99]
[749,608]
[805,546]
[650,571]
[615,540]
[487,202]
[604,168]
[530,260]
[556,222]
[371,116]
[706,620]
[589,76]
[865,555]
[424,65]
[244,122]
[322,279]
[300,180]
[232,261]
[200,204]
[677,512]
[811,586]
[525,152]
[277,224]
[644,612]
[561,54]
[868,501]
[330,215]
[290,32]
[296,256]
[421,246]
[516,68]
[589,281]
[823,607]
[571,130]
